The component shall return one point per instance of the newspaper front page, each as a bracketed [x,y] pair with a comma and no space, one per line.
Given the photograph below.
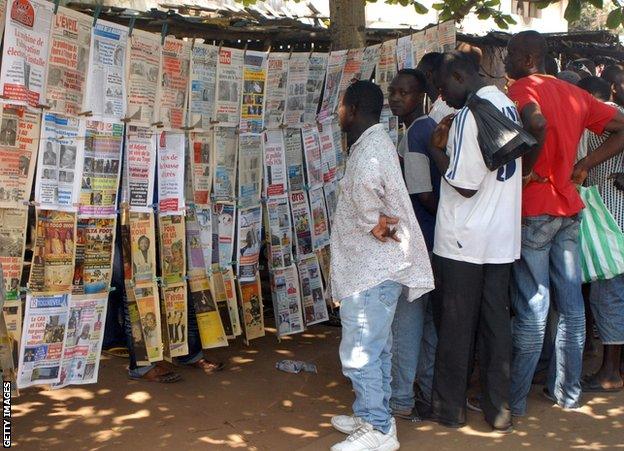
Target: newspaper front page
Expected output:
[370,58]
[312,154]
[328,152]
[280,233]
[177,318]
[12,312]
[386,66]
[224,227]
[226,151]
[331,200]
[148,304]
[248,240]
[296,84]
[250,301]
[13,223]
[320,225]
[335,66]
[302,223]
[221,300]
[294,159]
[404,53]
[143,243]
[175,61]
[229,86]
[93,268]
[144,77]
[286,301]
[352,70]
[139,172]
[249,170]
[196,259]
[254,82]
[204,60]
[172,248]
[201,145]
[275,176]
[275,103]
[230,291]
[314,306]
[170,153]
[316,77]
[211,331]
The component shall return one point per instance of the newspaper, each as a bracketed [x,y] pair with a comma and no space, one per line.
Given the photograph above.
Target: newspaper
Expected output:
[93,267]
[226,150]
[175,60]
[294,159]
[53,253]
[59,166]
[352,70]
[170,153]
[221,300]
[230,292]
[386,67]
[140,159]
[12,313]
[296,85]
[275,177]
[229,86]
[223,225]
[249,170]
[250,301]
[25,51]
[335,66]
[248,240]
[203,86]
[316,78]
[419,46]
[331,200]
[275,103]
[431,39]
[148,305]
[143,254]
[341,152]
[370,58]
[3,5]
[286,301]
[9,352]
[201,165]
[70,42]
[328,152]
[314,306]
[391,123]
[404,53]
[83,341]
[312,153]
[301,222]
[13,223]
[43,339]
[106,82]
[254,79]
[100,176]
[280,233]
[177,318]
[172,248]
[143,77]
[211,331]
[320,225]
[324,259]
[447,36]
[197,265]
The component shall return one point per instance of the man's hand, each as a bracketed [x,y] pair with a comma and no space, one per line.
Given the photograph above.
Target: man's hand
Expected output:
[532,177]
[382,230]
[618,180]
[439,137]
[580,173]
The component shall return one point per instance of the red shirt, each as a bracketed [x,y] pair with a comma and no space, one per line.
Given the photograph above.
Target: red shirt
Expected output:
[568,111]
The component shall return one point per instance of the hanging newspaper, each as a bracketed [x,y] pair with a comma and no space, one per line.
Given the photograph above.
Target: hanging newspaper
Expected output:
[320,226]
[314,306]
[391,123]
[294,159]
[106,82]
[83,342]
[335,66]
[175,60]
[43,339]
[341,154]
[176,313]
[352,70]
[324,259]
[12,312]
[386,67]
[171,173]
[316,78]
[172,248]
[432,41]
[248,252]
[93,268]
[447,36]
[419,46]
[3,5]
[201,165]
[221,300]
[230,292]
[199,242]
[280,233]
[8,349]
[70,42]
[331,200]
[100,176]
[249,170]
[275,103]
[286,301]
[226,215]
[226,150]
[143,246]
[296,88]
[53,254]
[229,86]
[143,65]
[254,79]
[275,177]
[301,221]
[149,311]
[59,167]
[204,60]
[312,153]
[25,51]
[370,58]
[12,241]
[404,53]
[328,152]
[19,139]
[139,167]
[211,333]
[250,301]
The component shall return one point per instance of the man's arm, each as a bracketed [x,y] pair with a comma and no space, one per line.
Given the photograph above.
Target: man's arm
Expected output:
[430,201]
[535,123]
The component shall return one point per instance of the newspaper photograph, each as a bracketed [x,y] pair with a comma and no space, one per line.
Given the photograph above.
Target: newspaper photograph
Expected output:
[286,301]
[70,42]
[221,300]
[248,241]
[138,340]
[19,140]
[13,224]
[211,333]
[43,339]
[404,53]
[230,292]
[93,267]
[447,36]
[370,58]
[172,248]
[335,66]
[177,318]
[275,103]
[316,78]
[225,222]
[302,223]
[83,340]
[312,154]
[101,168]
[25,51]
[143,244]
[294,159]
[320,225]
[106,82]
[201,167]
[52,267]
[254,80]
[229,86]
[204,59]
[143,77]
[296,85]
[314,306]
[195,257]
[275,177]
[352,71]
[250,301]
[59,166]
[331,200]
[170,152]
[386,67]
[249,170]
[328,152]
[148,304]
[139,166]
[280,232]
[391,123]
[175,61]
[226,151]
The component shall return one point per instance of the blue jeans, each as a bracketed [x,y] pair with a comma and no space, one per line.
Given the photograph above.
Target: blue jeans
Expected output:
[550,259]
[366,350]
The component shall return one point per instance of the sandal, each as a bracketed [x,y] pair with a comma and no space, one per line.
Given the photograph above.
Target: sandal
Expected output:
[589,384]
[117,352]
[207,366]
[160,375]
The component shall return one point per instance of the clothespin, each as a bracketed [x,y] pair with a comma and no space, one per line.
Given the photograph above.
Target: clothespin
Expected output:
[311,50]
[131,26]
[269,49]
[56,5]
[96,13]
[163,33]
[193,44]
[291,52]
[220,45]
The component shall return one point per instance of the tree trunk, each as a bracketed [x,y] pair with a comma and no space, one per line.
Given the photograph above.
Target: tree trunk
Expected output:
[347,23]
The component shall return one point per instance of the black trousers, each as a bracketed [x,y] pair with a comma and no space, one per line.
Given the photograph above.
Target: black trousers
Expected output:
[472,305]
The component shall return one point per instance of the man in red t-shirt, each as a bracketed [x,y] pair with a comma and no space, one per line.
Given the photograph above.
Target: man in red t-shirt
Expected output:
[556,113]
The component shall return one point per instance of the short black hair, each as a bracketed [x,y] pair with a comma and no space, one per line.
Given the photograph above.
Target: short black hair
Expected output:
[366,97]
[596,86]
[459,62]
[610,73]
[418,75]
[430,61]
[533,43]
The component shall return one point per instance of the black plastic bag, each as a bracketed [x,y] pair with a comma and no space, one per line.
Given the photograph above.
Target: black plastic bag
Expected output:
[501,140]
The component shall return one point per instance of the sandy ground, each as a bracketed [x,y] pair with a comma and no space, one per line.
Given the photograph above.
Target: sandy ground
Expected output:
[253,406]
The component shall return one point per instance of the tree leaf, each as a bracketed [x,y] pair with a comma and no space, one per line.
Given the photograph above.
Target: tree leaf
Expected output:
[438,6]
[573,11]
[420,8]
[491,3]
[614,19]
[501,23]
[595,3]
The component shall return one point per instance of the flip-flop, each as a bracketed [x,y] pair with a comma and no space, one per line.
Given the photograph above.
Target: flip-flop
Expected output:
[117,352]
[215,366]
[591,385]
[168,377]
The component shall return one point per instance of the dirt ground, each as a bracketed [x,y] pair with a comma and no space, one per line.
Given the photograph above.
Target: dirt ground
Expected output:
[252,406]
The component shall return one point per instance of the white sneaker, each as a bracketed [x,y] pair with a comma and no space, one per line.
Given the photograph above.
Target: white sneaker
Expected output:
[365,438]
[348,424]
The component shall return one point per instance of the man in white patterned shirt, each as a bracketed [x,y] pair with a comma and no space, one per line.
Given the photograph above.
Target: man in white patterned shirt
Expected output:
[370,266]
